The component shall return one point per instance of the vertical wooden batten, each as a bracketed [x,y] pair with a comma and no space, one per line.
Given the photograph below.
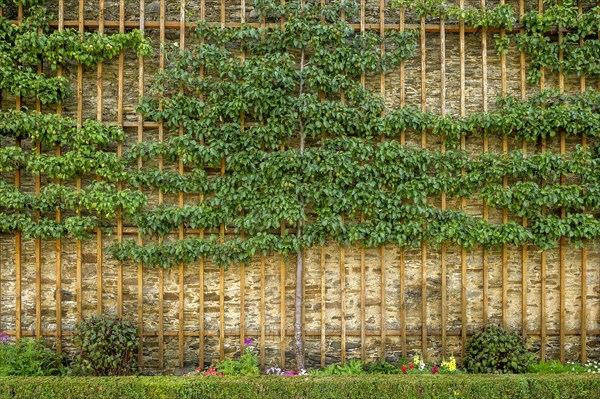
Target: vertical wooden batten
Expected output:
[58,286]
[505,186]
[423,145]
[120,93]
[78,249]
[524,274]
[201,331]
[402,258]
[140,137]
[222,237]
[18,234]
[463,200]
[444,310]
[484,97]
[382,247]
[99,302]
[161,273]
[38,240]
[181,268]
[543,270]
[583,282]
[562,243]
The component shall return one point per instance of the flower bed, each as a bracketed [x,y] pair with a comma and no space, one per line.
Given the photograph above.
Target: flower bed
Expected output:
[266,387]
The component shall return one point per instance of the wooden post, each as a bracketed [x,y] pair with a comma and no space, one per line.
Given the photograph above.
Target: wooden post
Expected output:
[79,266]
[504,185]
[524,219]
[382,247]
[543,254]
[402,260]
[323,305]
[18,234]
[201,332]
[38,240]
[463,200]
[181,303]
[262,311]
[58,289]
[99,304]
[443,199]
[120,154]
[423,245]
[562,243]
[583,305]
[161,274]
[484,94]
[140,137]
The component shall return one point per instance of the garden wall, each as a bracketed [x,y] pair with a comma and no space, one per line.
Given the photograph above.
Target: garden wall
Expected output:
[359,303]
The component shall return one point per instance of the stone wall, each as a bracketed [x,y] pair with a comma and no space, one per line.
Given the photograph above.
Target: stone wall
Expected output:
[322,264]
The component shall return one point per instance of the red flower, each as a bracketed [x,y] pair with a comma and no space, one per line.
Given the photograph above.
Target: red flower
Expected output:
[410,366]
[404,369]
[434,370]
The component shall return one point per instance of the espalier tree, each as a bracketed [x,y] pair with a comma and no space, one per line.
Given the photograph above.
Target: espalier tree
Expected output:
[267,95]
[288,150]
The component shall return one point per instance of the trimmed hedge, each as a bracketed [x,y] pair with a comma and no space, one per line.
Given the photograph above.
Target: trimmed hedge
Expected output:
[368,387]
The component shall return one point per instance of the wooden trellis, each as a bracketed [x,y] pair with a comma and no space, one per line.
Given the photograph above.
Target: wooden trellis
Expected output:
[338,310]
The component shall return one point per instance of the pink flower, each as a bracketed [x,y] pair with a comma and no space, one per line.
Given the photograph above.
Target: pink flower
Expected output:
[290,373]
[248,342]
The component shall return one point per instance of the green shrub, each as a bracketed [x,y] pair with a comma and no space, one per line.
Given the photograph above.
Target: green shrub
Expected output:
[28,357]
[107,346]
[572,386]
[380,367]
[246,365]
[495,350]
[352,367]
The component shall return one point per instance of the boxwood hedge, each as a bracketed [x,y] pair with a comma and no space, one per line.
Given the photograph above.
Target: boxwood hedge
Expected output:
[368,387]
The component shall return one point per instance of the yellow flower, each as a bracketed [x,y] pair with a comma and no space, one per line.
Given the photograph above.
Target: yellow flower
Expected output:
[416,360]
[449,365]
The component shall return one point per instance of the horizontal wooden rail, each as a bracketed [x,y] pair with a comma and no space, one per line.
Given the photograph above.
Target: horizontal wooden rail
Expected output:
[176,25]
[315,333]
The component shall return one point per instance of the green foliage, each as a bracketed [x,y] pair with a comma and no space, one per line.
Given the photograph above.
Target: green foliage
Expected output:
[352,367]
[380,367]
[501,16]
[353,183]
[28,357]
[346,171]
[24,46]
[578,42]
[84,148]
[495,350]
[245,365]
[107,346]
[356,387]
[556,367]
